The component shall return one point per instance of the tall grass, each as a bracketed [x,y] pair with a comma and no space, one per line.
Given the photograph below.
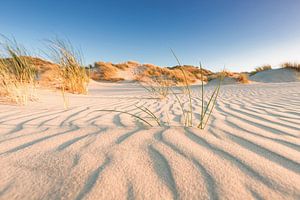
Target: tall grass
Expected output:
[73,76]
[17,75]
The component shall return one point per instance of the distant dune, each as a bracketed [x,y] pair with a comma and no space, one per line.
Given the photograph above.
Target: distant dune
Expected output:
[277,76]
[134,71]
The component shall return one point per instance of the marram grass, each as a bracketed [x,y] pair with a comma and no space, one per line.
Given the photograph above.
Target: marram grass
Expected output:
[17,75]
[73,76]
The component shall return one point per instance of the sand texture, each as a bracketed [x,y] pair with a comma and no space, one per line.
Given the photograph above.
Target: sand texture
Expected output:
[249,150]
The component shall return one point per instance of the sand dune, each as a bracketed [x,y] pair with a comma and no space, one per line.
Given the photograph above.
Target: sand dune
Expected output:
[250,150]
[280,75]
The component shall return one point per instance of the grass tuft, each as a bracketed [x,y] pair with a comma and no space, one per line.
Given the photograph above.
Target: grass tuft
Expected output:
[17,75]
[289,65]
[243,78]
[72,74]
[260,69]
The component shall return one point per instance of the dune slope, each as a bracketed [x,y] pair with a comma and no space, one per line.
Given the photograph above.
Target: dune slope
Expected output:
[249,150]
[277,76]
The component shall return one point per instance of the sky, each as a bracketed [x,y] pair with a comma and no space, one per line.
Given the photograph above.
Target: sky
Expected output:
[237,34]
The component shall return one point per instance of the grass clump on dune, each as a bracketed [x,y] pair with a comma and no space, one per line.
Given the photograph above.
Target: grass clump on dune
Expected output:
[289,65]
[243,78]
[260,69]
[107,71]
[17,75]
[73,76]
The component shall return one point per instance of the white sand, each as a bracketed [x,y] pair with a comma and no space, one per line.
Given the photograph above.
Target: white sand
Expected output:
[250,150]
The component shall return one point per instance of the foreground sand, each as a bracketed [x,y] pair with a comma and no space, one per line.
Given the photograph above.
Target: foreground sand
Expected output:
[250,150]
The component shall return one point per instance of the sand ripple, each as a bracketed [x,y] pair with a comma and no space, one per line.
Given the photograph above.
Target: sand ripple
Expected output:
[250,150]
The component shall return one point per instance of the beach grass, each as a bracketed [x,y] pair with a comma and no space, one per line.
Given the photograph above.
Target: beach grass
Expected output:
[73,76]
[261,69]
[290,65]
[18,76]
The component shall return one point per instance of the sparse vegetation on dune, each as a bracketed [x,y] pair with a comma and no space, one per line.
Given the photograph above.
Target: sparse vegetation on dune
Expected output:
[289,65]
[160,80]
[17,75]
[230,77]
[174,74]
[107,71]
[243,78]
[144,72]
[73,76]
[260,69]
[47,73]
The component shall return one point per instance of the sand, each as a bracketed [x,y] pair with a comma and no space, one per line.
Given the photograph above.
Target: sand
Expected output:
[250,149]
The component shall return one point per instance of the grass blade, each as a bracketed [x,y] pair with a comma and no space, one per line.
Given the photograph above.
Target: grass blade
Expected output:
[190,123]
[151,114]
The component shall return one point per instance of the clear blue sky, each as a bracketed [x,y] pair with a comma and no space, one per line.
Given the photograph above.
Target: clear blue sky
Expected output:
[237,33]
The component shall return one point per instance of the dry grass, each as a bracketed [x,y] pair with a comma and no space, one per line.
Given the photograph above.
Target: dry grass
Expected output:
[105,71]
[148,73]
[108,71]
[17,75]
[260,69]
[73,76]
[289,65]
[159,80]
[191,73]
[243,78]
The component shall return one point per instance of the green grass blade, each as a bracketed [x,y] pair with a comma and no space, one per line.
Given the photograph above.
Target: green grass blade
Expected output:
[151,114]
[214,96]
[190,123]
[202,96]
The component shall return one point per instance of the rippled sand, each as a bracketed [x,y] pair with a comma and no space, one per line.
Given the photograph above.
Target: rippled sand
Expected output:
[250,149]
